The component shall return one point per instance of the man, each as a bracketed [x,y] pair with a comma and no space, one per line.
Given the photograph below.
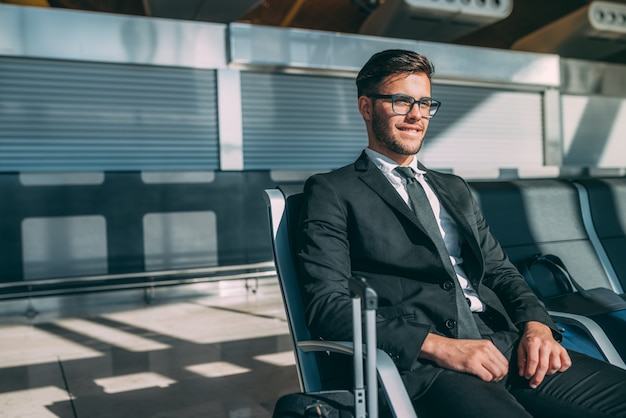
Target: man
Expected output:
[467,334]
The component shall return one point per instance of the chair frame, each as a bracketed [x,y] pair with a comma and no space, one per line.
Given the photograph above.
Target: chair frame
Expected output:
[303,344]
[594,332]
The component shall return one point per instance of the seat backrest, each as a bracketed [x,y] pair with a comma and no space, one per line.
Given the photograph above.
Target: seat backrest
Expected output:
[607,207]
[541,216]
[284,207]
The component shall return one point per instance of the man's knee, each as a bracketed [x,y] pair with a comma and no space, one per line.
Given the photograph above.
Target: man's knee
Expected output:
[455,394]
[589,388]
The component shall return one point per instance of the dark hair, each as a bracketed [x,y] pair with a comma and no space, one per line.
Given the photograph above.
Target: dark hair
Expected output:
[388,63]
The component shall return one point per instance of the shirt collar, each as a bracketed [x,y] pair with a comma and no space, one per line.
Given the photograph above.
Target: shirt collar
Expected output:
[387,165]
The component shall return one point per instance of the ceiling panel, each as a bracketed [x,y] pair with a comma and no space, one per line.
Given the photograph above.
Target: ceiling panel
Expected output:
[345,16]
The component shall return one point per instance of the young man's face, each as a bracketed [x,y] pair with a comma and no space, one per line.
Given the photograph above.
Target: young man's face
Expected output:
[398,137]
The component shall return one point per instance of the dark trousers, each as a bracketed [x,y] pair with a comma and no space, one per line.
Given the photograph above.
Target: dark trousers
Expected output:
[588,389]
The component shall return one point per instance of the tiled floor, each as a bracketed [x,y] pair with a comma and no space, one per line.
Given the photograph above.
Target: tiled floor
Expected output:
[223,353]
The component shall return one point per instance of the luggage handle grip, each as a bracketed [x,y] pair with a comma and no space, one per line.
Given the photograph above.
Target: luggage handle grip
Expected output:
[358,286]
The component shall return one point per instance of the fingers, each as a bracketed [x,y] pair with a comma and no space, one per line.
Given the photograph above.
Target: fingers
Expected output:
[560,361]
[487,362]
[490,372]
[478,357]
[566,361]
[537,367]
[499,364]
[540,358]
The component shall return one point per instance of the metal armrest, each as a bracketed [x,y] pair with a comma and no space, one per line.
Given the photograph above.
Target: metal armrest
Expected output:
[388,376]
[595,332]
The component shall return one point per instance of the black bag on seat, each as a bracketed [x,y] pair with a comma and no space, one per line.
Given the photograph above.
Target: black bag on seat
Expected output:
[548,277]
[332,404]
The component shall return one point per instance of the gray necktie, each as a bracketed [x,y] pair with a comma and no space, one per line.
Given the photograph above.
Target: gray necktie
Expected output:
[466,326]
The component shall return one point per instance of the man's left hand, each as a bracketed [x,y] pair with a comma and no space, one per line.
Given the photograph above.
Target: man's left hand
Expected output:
[539,354]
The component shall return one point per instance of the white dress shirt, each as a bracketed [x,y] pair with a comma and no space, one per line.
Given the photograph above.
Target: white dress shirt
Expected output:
[447,225]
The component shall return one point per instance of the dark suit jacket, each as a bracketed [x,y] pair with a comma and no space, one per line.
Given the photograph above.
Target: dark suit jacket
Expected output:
[355,223]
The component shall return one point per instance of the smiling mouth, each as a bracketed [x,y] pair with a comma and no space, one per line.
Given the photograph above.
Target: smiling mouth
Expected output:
[411,130]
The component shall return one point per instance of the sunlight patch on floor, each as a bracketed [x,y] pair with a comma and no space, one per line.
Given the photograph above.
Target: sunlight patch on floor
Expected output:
[31,403]
[135,381]
[217,369]
[200,324]
[285,358]
[110,335]
[23,345]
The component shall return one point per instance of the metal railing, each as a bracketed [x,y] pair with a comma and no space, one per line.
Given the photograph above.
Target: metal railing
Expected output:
[137,280]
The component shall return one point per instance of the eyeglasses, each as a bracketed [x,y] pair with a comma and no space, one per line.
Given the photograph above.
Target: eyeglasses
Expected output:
[402,104]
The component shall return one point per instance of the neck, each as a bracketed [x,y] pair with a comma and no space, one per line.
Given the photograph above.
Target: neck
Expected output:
[400,159]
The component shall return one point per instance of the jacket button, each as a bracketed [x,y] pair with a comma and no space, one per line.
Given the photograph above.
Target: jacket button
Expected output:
[447,285]
[450,323]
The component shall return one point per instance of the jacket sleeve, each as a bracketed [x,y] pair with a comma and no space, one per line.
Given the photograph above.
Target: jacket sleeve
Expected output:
[323,252]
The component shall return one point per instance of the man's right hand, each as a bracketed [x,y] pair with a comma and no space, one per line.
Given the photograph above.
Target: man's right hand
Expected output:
[478,357]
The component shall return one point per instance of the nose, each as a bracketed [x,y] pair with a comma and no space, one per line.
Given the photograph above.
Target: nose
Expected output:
[414,112]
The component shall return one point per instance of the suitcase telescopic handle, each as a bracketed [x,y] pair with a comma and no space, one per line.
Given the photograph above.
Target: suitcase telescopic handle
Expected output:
[366,299]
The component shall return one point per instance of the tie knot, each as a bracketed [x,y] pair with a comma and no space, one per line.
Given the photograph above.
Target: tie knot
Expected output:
[407,172]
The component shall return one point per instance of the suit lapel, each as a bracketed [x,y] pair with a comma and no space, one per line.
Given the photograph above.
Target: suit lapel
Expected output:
[453,206]
[377,181]
[449,201]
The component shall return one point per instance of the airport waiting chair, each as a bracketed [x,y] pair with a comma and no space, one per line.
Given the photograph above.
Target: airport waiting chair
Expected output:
[603,204]
[284,206]
[544,216]
[604,200]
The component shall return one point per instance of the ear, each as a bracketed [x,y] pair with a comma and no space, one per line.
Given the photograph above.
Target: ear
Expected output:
[366,107]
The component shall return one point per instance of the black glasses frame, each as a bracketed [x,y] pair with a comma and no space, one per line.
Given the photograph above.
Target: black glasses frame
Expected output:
[433,108]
